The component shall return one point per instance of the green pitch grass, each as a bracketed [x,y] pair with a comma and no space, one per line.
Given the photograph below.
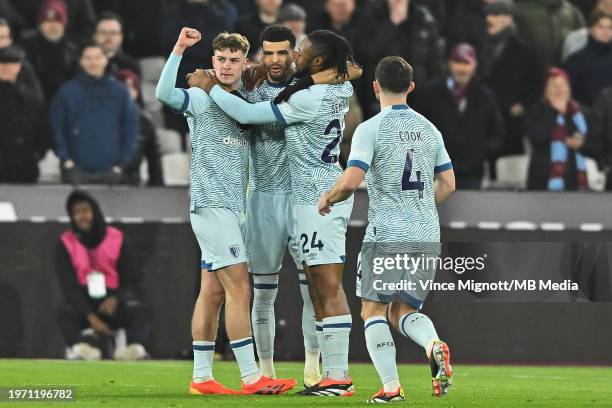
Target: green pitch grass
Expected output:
[165,383]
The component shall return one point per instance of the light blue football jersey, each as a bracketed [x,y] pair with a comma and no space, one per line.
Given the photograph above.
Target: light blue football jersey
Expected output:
[268,164]
[315,120]
[220,155]
[401,151]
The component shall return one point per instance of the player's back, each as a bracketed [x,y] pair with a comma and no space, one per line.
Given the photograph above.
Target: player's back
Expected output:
[407,151]
[313,145]
[219,159]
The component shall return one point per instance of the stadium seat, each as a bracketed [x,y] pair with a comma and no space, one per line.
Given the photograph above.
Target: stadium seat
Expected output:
[120,341]
[49,168]
[512,172]
[176,169]
[169,141]
[596,179]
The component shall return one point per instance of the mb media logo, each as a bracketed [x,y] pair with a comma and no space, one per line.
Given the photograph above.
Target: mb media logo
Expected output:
[230,141]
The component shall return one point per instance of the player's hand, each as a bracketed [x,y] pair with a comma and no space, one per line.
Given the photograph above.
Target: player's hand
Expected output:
[108,306]
[253,76]
[98,325]
[187,38]
[286,93]
[204,79]
[324,204]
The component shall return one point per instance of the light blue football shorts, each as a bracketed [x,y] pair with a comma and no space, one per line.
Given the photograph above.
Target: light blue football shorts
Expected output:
[220,234]
[322,239]
[270,230]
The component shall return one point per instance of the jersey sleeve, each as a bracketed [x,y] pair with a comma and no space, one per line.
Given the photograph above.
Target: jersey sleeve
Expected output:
[362,147]
[240,110]
[196,101]
[303,106]
[443,161]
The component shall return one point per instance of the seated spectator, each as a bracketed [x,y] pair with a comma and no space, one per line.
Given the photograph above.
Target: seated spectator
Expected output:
[590,69]
[578,39]
[557,129]
[148,143]
[81,15]
[466,113]
[252,25]
[293,17]
[341,17]
[27,76]
[52,55]
[544,24]
[23,134]
[512,70]
[109,36]
[599,143]
[101,283]
[94,123]
[406,30]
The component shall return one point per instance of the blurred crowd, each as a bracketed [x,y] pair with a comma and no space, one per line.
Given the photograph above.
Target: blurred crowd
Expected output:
[499,78]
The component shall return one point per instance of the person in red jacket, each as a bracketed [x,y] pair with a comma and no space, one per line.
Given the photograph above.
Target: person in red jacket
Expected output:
[100,282]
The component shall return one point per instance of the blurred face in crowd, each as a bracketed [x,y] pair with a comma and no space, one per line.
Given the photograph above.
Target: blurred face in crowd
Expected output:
[602,30]
[269,6]
[94,62]
[498,22]
[6,40]
[9,71]
[82,214]
[297,27]
[605,6]
[229,65]
[109,36]
[462,71]
[557,87]
[340,11]
[52,30]
[131,87]
[278,58]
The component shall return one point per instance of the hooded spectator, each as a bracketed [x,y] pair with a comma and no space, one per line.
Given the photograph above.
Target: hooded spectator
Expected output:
[557,130]
[101,283]
[590,69]
[94,123]
[23,131]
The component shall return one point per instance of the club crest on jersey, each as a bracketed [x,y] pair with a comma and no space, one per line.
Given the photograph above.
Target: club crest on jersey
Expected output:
[235,250]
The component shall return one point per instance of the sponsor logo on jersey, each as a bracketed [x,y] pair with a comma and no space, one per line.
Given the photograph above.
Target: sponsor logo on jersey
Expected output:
[230,141]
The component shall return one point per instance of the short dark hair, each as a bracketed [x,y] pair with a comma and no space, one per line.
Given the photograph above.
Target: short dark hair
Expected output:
[109,15]
[89,44]
[4,23]
[277,33]
[335,49]
[596,16]
[394,74]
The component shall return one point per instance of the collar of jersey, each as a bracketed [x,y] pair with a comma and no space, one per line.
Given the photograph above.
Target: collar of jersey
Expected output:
[398,107]
[281,84]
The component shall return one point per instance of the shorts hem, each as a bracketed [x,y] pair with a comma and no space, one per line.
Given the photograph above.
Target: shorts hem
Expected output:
[224,264]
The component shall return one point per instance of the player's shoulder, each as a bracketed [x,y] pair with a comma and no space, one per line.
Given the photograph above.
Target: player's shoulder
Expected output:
[197,93]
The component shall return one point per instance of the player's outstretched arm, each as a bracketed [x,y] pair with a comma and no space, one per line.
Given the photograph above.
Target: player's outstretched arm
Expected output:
[331,76]
[241,110]
[343,189]
[165,92]
[444,185]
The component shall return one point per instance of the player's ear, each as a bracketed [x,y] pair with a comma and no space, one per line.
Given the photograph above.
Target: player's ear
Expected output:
[411,87]
[318,61]
[376,87]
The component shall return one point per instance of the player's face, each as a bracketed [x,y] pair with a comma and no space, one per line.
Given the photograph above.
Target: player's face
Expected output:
[461,71]
[278,58]
[304,58]
[228,65]
[94,62]
[602,31]
[82,214]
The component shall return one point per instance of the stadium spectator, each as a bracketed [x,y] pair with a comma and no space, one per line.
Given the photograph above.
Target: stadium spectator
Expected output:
[341,17]
[252,25]
[23,134]
[293,17]
[81,15]
[544,24]
[148,143]
[406,30]
[101,283]
[27,75]
[557,129]
[52,55]
[466,113]
[467,23]
[8,12]
[590,69]
[600,133]
[578,39]
[94,123]
[512,70]
[109,36]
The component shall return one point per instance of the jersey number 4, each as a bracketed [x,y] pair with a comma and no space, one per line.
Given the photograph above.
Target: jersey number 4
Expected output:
[406,183]
[327,157]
